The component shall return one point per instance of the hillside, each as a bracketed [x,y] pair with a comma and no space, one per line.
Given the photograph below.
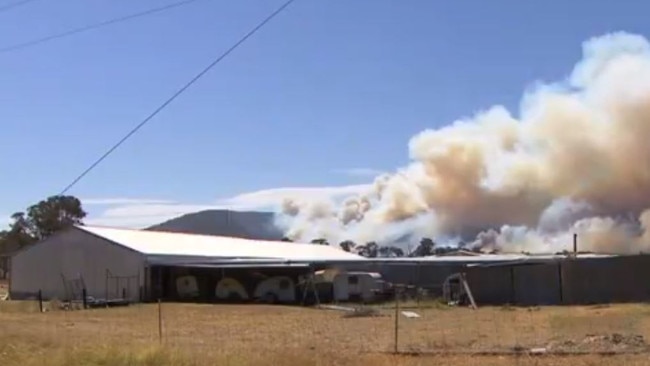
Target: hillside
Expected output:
[241,224]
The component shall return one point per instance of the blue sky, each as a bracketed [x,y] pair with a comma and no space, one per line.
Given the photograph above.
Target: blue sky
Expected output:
[326,94]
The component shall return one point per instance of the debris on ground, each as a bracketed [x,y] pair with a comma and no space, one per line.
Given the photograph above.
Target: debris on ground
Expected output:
[337,308]
[614,342]
[538,351]
[410,314]
[363,312]
[354,312]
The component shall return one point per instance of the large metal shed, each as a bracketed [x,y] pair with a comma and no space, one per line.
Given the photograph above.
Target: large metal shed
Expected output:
[120,263]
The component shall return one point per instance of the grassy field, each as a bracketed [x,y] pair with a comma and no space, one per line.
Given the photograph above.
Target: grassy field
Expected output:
[262,335]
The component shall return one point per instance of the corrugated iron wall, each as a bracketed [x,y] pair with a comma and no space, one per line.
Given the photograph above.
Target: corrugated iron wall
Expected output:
[567,281]
[570,281]
[491,285]
[619,279]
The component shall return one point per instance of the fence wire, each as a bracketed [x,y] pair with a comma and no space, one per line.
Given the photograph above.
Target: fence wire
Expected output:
[426,324]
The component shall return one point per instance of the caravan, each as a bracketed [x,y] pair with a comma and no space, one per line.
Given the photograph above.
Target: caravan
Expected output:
[353,286]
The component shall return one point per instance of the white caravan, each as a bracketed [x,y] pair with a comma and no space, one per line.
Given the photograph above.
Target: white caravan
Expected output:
[352,286]
[276,289]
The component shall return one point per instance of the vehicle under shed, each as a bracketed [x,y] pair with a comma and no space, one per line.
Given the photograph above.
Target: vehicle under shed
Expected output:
[141,265]
[274,283]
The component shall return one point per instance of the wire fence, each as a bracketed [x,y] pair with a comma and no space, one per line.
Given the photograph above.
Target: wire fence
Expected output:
[415,322]
[512,330]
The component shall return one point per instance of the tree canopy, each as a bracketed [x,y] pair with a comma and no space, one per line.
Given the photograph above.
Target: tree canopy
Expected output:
[40,221]
[426,248]
[320,241]
[388,251]
[347,245]
[370,250]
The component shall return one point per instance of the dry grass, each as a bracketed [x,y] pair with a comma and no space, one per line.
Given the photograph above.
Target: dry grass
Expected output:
[262,335]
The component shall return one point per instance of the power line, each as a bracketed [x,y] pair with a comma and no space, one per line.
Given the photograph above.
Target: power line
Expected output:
[94,26]
[14,5]
[176,95]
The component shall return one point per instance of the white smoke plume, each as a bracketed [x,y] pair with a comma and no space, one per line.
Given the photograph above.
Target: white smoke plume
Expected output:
[576,159]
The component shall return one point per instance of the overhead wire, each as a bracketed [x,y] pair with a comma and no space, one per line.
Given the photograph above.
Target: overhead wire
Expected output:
[93,26]
[176,95]
[15,4]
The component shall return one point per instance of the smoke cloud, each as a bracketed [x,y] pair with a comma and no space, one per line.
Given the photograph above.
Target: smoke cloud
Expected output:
[575,160]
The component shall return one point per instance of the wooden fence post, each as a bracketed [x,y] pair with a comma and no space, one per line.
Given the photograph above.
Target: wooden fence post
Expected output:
[397,295]
[40,300]
[160,335]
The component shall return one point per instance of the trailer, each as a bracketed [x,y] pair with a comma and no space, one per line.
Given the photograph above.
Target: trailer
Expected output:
[353,286]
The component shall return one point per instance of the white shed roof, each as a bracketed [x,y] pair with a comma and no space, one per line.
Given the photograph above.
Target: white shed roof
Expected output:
[159,243]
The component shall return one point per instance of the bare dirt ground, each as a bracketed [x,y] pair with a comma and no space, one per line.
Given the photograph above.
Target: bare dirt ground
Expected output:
[262,335]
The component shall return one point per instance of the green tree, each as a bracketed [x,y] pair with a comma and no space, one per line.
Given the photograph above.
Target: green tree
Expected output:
[390,251]
[320,242]
[53,214]
[41,220]
[19,234]
[370,250]
[426,248]
[347,245]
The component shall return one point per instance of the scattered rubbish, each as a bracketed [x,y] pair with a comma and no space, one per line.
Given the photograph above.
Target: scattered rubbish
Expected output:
[92,302]
[537,351]
[351,312]
[363,313]
[337,307]
[614,342]
[410,314]
[519,349]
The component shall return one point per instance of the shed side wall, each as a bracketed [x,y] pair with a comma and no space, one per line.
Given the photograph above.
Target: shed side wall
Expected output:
[73,253]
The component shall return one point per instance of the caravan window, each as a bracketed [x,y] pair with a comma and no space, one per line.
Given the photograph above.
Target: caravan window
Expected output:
[353,280]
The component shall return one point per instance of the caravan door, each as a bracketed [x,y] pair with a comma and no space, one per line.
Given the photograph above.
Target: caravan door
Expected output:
[341,287]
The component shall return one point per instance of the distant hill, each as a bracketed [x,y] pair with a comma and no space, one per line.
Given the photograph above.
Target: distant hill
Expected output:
[240,224]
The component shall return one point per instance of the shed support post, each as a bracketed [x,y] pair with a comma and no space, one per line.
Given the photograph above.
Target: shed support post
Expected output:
[560,282]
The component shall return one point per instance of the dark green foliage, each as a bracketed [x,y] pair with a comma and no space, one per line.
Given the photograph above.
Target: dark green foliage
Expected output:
[391,252]
[426,248]
[370,250]
[320,242]
[40,221]
[347,245]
